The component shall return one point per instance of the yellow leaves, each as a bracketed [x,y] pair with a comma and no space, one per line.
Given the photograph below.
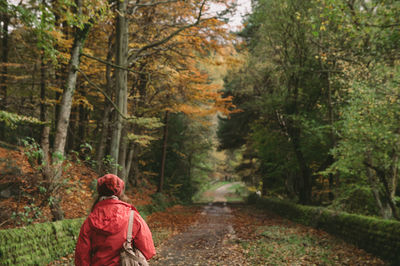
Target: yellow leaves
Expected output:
[61,39]
[9,64]
[56,89]
[80,100]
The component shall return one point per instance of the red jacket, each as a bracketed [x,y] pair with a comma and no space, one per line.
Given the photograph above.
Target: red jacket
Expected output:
[104,232]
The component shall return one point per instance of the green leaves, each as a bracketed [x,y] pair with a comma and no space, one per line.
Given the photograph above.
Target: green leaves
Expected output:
[12,120]
[370,124]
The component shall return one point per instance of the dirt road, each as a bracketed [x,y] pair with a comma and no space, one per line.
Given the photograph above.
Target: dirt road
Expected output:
[220,194]
[211,241]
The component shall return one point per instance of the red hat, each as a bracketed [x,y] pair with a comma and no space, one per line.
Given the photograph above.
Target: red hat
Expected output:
[109,185]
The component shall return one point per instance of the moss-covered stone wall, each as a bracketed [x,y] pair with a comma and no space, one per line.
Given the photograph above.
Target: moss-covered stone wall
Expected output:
[38,244]
[377,236]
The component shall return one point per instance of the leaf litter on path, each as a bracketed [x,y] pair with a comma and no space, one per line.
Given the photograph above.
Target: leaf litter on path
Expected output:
[243,235]
[271,240]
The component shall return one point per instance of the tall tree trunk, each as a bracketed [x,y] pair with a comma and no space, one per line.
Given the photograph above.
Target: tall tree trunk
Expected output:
[4,57]
[44,142]
[107,109]
[120,78]
[65,111]
[134,172]
[42,89]
[71,138]
[393,179]
[66,102]
[333,178]
[129,161]
[103,138]
[164,153]
[305,182]
[83,123]
[123,154]
[387,190]
[384,208]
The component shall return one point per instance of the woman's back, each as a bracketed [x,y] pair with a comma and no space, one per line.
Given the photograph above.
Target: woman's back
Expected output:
[104,232]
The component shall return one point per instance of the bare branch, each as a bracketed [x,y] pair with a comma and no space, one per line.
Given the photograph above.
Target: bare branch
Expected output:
[112,64]
[169,37]
[97,87]
[151,3]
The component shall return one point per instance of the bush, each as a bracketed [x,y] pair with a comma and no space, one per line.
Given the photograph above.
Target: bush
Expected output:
[356,199]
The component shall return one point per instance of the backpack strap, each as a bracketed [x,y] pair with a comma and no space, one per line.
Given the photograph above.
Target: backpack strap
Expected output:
[130,226]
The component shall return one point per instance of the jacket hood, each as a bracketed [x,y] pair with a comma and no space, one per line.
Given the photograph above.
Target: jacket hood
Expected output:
[109,216]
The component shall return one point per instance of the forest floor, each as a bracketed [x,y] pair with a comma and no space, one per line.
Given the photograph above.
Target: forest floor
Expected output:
[238,234]
[215,232]
[23,199]
[223,233]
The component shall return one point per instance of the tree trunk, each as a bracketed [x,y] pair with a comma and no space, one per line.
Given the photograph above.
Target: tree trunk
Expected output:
[134,167]
[382,175]
[121,78]
[4,58]
[103,139]
[42,89]
[66,102]
[164,153]
[82,126]
[393,185]
[65,111]
[384,209]
[129,161]
[123,154]
[305,181]
[44,142]
[107,110]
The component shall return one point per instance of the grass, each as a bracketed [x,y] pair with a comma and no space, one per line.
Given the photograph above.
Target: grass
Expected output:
[277,245]
[160,235]
[240,191]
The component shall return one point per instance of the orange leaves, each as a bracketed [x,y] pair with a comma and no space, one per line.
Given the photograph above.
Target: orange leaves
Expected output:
[61,39]
[177,218]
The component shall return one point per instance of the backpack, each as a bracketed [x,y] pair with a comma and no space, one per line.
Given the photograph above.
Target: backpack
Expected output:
[130,255]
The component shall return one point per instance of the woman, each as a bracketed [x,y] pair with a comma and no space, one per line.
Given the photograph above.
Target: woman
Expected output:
[104,231]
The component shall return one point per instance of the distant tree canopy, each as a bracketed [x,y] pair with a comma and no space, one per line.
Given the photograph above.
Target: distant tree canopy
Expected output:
[319,94]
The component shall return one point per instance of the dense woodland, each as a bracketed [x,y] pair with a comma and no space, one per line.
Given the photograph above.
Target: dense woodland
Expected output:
[319,94]
[123,86]
[309,109]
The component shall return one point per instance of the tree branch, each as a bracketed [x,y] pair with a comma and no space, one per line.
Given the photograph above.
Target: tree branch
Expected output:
[169,37]
[151,3]
[97,87]
[112,64]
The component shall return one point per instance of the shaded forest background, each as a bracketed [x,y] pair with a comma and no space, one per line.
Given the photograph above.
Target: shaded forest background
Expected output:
[319,92]
[308,106]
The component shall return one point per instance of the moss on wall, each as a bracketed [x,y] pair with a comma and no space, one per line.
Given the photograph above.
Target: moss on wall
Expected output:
[38,244]
[378,236]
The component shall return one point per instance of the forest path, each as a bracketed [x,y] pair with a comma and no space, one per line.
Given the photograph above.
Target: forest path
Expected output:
[223,192]
[210,241]
[239,234]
